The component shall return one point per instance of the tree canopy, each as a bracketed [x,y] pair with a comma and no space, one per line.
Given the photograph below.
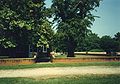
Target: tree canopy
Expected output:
[24,22]
[117,36]
[109,45]
[91,41]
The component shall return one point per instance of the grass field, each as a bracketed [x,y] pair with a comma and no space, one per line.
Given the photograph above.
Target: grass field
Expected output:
[42,65]
[83,79]
[71,79]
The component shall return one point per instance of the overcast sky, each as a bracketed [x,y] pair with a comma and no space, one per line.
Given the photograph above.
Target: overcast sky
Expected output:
[109,21]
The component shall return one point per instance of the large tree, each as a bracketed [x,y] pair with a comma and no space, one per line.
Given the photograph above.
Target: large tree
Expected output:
[73,18]
[24,22]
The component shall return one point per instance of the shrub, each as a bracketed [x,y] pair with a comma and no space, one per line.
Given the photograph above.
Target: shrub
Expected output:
[96,50]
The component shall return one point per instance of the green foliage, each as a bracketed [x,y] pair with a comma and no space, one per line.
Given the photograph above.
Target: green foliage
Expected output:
[117,38]
[73,17]
[96,50]
[58,43]
[91,41]
[108,44]
[73,79]
[6,43]
[24,22]
[64,9]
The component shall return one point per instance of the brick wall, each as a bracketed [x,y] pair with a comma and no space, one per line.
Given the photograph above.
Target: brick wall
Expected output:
[86,59]
[16,61]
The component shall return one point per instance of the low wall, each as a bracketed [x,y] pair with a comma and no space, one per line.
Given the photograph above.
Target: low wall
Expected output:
[16,61]
[99,59]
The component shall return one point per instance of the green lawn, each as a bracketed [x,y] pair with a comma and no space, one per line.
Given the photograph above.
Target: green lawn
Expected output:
[41,65]
[80,79]
[85,79]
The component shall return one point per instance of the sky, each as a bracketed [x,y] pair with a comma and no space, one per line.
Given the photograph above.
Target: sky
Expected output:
[109,21]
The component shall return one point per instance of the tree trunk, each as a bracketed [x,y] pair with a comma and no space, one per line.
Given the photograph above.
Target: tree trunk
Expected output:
[70,53]
[71,49]
[108,53]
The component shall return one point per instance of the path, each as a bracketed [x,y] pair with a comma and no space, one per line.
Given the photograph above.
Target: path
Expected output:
[59,71]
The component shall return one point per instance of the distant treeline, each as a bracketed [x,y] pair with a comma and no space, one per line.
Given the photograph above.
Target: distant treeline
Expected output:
[92,42]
